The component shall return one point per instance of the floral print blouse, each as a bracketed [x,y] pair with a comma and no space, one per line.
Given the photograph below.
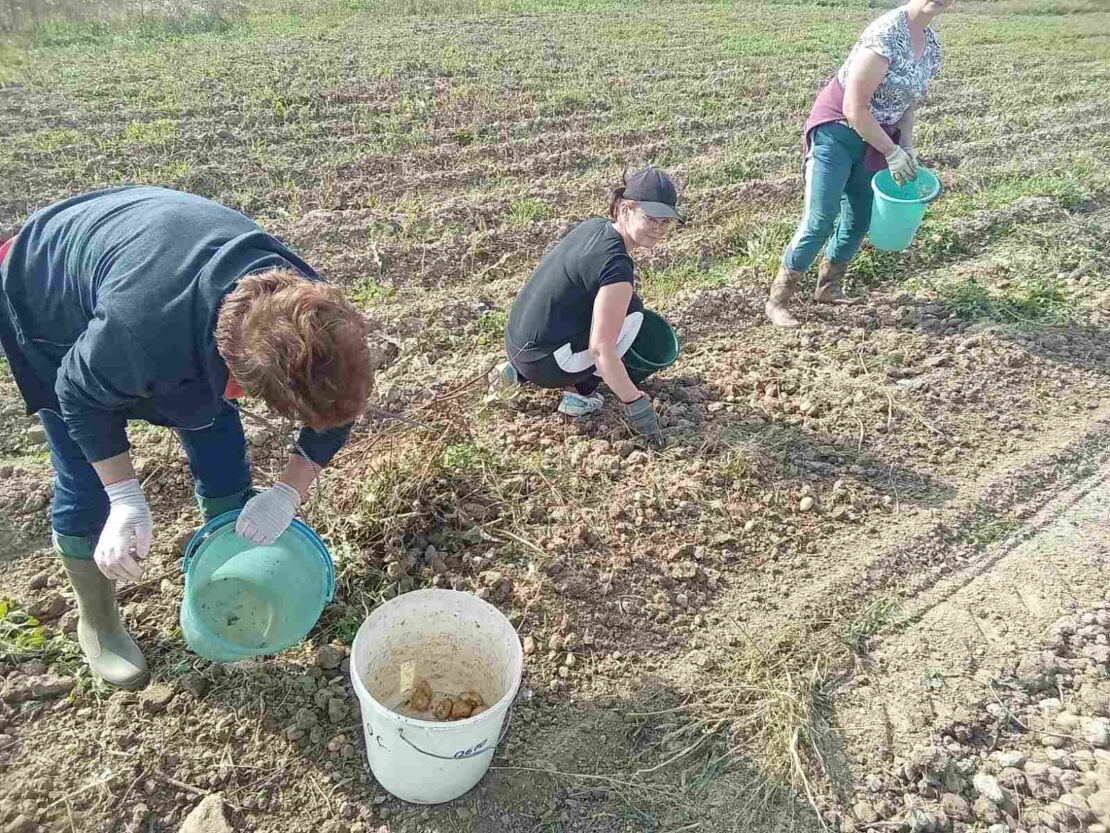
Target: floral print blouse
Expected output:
[907,80]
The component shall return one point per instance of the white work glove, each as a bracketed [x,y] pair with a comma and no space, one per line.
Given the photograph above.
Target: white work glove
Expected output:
[268,514]
[913,154]
[125,539]
[902,166]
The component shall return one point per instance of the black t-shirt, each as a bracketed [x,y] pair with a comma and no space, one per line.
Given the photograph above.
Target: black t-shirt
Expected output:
[556,305]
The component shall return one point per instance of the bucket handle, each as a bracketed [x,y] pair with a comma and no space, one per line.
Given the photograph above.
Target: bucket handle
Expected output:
[462,756]
[203,534]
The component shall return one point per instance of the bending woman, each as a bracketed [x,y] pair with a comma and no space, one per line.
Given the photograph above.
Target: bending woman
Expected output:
[147,304]
[861,122]
[578,314]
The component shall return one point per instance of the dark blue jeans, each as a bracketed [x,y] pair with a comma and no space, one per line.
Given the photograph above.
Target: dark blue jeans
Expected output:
[217,457]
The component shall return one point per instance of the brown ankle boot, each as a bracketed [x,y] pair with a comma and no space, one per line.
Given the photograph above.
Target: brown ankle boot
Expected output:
[828,285]
[782,290]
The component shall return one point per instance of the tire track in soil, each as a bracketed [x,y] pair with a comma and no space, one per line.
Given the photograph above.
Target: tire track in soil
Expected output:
[946,539]
[966,640]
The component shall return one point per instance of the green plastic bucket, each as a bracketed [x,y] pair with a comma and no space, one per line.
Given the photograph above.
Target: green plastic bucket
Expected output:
[898,210]
[244,600]
[655,347]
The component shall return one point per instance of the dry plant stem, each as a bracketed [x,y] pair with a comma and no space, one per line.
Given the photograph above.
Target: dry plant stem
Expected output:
[159,470]
[522,541]
[572,776]
[800,772]
[640,773]
[127,591]
[99,783]
[462,390]
[181,785]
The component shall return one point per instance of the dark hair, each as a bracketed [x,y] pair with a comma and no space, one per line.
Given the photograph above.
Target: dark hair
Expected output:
[616,196]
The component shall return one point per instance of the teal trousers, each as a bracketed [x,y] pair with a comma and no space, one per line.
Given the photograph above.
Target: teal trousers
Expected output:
[837,200]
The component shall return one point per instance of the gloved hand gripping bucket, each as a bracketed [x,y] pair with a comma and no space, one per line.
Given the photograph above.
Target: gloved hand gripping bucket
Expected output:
[244,600]
[897,210]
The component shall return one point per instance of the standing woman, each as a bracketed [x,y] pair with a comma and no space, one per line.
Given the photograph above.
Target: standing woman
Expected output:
[861,122]
[578,314]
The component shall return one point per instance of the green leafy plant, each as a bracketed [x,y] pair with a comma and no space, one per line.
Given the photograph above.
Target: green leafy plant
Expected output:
[23,637]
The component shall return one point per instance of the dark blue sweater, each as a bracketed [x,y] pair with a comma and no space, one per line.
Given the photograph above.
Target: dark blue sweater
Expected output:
[108,305]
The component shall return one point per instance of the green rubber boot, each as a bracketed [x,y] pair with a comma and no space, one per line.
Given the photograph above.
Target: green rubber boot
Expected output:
[110,651]
[213,507]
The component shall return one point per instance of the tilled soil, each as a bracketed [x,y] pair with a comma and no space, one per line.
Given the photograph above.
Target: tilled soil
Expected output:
[621,605]
[828,603]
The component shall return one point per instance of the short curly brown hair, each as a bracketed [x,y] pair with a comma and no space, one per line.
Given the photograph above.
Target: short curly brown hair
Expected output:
[298,345]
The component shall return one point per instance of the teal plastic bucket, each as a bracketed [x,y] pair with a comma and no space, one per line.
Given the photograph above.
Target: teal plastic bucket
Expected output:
[244,600]
[655,347]
[898,210]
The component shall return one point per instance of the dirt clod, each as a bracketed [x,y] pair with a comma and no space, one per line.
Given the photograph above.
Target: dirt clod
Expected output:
[19,689]
[156,698]
[865,812]
[329,657]
[21,824]
[48,607]
[207,817]
[1097,733]
[194,683]
[40,580]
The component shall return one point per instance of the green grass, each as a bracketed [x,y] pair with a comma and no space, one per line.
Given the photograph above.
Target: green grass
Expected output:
[54,139]
[990,527]
[153,134]
[932,679]
[491,328]
[1071,186]
[76,24]
[527,210]
[873,267]
[660,285]
[1025,300]
[879,616]
[343,623]
[370,293]
[274,106]
[464,457]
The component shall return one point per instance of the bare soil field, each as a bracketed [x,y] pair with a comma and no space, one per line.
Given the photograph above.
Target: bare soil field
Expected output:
[864,587]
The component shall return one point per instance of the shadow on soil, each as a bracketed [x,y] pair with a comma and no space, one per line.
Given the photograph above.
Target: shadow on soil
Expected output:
[775,452]
[594,765]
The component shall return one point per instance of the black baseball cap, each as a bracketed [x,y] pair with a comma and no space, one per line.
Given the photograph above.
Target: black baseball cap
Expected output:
[654,191]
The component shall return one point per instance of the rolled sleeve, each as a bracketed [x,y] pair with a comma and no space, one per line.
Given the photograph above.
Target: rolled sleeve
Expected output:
[321,446]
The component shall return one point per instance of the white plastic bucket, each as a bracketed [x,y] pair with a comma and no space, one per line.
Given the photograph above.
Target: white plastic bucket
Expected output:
[456,642]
